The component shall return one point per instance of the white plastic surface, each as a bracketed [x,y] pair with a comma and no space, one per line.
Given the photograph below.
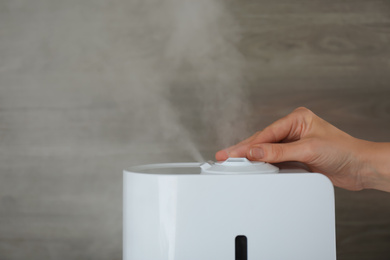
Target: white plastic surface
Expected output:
[238,166]
[196,216]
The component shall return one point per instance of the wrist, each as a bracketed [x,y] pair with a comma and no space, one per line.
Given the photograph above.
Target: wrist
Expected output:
[375,171]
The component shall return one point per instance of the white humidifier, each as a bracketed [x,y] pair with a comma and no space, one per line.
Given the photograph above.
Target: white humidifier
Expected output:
[231,210]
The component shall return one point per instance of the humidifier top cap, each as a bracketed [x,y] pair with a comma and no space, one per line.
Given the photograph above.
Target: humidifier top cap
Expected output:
[238,166]
[229,167]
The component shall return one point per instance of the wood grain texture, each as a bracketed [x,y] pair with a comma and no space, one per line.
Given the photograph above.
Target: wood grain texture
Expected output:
[80,100]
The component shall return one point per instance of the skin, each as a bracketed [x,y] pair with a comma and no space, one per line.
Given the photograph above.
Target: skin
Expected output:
[302,136]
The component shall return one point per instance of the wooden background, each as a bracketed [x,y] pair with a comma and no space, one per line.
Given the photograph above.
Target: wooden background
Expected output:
[77,105]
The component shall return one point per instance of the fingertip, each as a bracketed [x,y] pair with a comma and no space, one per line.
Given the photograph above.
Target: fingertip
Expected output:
[221,155]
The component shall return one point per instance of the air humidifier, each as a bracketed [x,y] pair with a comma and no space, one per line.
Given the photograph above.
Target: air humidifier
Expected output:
[231,210]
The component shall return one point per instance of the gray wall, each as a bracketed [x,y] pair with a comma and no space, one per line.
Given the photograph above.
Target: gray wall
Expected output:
[90,87]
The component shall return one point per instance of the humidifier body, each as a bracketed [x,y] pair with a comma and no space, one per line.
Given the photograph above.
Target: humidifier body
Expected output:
[190,215]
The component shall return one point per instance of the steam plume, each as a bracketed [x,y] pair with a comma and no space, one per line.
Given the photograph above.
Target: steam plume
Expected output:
[197,54]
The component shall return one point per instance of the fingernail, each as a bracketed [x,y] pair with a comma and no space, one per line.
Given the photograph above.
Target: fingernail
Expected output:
[257,153]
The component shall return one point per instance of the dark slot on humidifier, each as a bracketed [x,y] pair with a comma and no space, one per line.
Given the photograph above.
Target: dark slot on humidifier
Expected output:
[241,248]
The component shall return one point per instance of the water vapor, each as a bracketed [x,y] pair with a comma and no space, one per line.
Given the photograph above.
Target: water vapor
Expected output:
[195,55]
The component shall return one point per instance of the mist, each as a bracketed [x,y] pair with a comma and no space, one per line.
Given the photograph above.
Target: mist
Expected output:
[196,58]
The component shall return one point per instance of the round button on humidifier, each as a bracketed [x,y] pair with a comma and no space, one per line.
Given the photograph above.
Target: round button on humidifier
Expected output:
[231,210]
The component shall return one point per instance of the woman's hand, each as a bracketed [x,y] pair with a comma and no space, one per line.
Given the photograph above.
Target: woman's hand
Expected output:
[302,136]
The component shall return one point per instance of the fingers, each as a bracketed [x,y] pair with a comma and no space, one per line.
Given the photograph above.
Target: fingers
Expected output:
[287,129]
[234,151]
[238,150]
[276,132]
[300,151]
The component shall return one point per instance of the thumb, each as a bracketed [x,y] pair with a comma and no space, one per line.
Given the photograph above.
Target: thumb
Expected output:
[279,152]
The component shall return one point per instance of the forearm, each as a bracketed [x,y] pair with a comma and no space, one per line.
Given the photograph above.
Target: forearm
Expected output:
[376,170]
